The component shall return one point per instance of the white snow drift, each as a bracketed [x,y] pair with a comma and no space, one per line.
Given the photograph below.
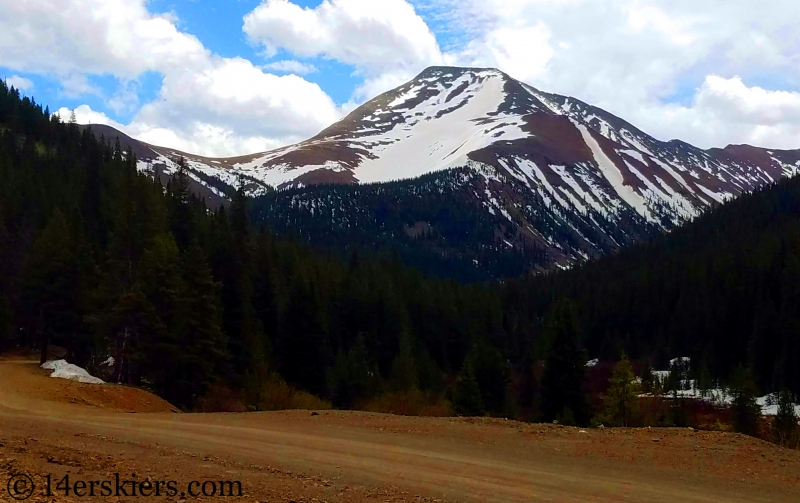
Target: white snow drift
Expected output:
[64,370]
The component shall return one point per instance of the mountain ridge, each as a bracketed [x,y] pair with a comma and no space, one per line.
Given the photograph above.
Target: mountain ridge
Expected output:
[535,152]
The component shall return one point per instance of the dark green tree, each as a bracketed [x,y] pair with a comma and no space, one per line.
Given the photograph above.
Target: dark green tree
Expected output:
[745,408]
[565,369]
[785,428]
[302,352]
[56,277]
[204,356]
[621,397]
[492,374]
[467,399]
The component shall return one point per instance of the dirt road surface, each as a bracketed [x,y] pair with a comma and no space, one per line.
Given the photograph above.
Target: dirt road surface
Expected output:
[58,427]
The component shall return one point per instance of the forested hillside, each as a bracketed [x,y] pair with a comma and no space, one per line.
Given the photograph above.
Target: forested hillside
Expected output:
[430,223]
[105,261]
[108,262]
[724,290]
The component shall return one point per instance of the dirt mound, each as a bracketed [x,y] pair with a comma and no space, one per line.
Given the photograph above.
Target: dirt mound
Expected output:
[27,383]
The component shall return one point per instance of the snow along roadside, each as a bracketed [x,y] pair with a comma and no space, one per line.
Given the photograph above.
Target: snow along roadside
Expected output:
[64,370]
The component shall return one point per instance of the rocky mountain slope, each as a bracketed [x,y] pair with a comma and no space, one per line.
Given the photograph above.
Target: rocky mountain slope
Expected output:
[523,153]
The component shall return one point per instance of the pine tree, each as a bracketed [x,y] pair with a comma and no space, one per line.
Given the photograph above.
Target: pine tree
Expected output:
[353,376]
[130,328]
[404,368]
[302,352]
[746,411]
[56,289]
[162,356]
[467,399]
[621,397]
[785,428]
[203,343]
[180,208]
[492,373]
[565,368]
[649,383]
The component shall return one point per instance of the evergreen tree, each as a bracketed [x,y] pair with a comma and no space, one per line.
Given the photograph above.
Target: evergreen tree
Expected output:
[162,357]
[247,343]
[56,277]
[621,398]
[492,374]
[404,368]
[353,376]
[746,411]
[131,328]
[785,428]
[565,368]
[302,352]
[181,216]
[204,353]
[467,399]
[649,383]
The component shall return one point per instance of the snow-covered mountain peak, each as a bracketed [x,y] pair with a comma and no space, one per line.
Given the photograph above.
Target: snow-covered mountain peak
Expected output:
[533,149]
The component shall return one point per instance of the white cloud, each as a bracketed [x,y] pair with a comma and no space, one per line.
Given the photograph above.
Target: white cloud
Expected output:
[291,66]
[20,83]
[364,33]
[93,37]
[523,52]
[241,105]
[85,115]
[631,57]
[207,105]
[728,111]
[386,41]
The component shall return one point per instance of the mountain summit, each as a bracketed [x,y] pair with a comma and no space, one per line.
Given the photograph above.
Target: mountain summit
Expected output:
[533,151]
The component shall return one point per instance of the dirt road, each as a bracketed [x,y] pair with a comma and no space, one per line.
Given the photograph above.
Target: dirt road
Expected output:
[47,426]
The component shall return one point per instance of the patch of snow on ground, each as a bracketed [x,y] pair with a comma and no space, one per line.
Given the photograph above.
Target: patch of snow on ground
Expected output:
[718,396]
[440,138]
[613,174]
[64,370]
[636,155]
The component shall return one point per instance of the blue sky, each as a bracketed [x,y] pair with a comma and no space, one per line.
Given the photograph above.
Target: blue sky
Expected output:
[232,77]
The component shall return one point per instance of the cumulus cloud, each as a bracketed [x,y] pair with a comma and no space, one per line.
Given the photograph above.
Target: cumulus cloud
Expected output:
[208,104]
[120,37]
[85,115]
[364,33]
[20,83]
[386,41]
[241,107]
[637,58]
[725,110]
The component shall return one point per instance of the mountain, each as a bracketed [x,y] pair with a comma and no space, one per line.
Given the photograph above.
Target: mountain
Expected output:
[101,260]
[560,175]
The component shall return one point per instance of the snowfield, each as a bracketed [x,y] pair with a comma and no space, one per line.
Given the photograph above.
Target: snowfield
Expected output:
[63,370]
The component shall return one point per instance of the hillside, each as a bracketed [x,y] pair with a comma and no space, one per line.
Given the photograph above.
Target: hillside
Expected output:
[723,290]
